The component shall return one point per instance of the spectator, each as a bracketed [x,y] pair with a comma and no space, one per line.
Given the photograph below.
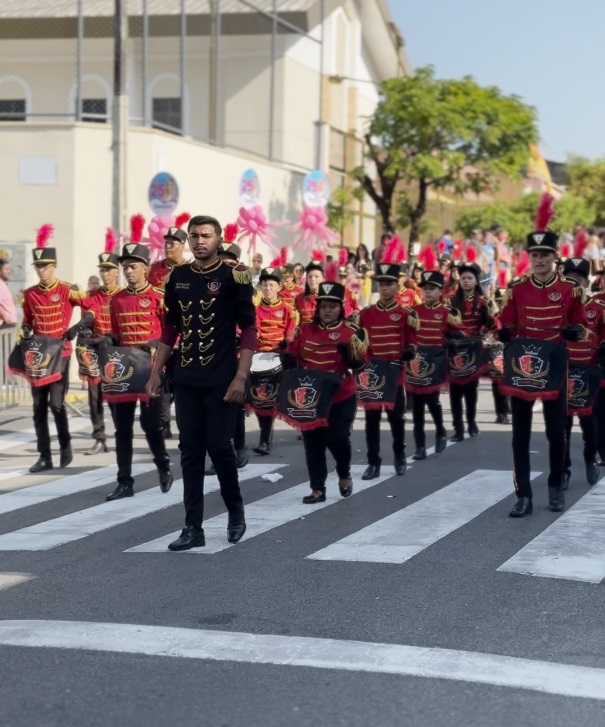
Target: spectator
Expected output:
[8,309]
[593,250]
[94,283]
[362,260]
[299,273]
[257,264]
[580,240]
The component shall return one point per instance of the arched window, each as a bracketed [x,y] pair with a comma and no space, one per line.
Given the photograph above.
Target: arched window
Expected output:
[95,99]
[15,99]
[166,110]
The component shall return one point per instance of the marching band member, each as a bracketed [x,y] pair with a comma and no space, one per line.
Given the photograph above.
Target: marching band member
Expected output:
[438,323]
[306,302]
[408,294]
[47,311]
[174,249]
[329,343]
[544,307]
[137,314]
[468,299]
[275,323]
[289,290]
[390,329]
[98,302]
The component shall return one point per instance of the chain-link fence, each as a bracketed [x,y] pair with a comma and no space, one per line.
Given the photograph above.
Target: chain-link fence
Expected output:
[245,74]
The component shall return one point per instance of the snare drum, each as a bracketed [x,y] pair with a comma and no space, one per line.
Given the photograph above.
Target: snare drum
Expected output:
[265,373]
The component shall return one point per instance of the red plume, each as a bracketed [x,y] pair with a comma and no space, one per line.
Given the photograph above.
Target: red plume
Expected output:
[457,250]
[331,274]
[230,232]
[275,263]
[318,256]
[343,256]
[43,235]
[523,263]
[471,254]
[394,251]
[442,247]
[545,211]
[182,218]
[283,256]
[111,240]
[502,281]
[566,249]
[137,222]
[428,258]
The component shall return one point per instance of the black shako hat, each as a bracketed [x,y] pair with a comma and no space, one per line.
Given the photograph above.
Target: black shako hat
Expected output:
[176,233]
[135,251]
[109,260]
[432,277]
[470,268]
[542,242]
[331,291]
[387,272]
[44,255]
[270,274]
[576,265]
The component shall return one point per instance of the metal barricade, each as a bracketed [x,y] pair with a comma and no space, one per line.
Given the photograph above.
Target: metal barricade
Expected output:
[14,390]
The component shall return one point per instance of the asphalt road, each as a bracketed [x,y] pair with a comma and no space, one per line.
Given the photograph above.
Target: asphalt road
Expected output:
[408,621]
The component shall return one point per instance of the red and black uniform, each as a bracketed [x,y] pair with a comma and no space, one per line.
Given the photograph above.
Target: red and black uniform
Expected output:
[595,315]
[408,297]
[289,294]
[47,310]
[98,302]
[159,271]
[390,329]
[305,305]
[541,310]
[315,346]
[351,303]
[137,317]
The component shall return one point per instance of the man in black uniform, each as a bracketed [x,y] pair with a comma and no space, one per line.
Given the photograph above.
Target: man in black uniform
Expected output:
[206,302]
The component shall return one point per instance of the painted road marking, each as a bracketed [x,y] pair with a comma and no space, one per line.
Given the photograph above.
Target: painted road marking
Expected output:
[77,525]
[26,436]
[428,662]
[572,548]
[266,514]
[402,535]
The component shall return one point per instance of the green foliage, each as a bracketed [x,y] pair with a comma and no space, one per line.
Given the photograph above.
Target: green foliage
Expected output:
[340,206]
[518,217]
[445,134]
[587,180]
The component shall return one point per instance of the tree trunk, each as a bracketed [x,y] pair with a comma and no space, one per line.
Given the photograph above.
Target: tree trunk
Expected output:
[417,214]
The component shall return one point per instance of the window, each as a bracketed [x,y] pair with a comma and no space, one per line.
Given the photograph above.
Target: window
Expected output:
[94,109]
[167,113]
[12,109]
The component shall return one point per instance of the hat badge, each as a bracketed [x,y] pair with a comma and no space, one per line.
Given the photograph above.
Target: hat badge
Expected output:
[576,261]
[105,257]
[130,248]
[384,268]
[37,254]
[270,270]
[426,276]
[328,288]
[538,238]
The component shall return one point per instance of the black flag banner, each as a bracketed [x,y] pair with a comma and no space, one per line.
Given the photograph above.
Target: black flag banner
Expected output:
[124,373]
[495,360]
[426,372]
[583,385]
[305,396]
[87,356]
[534,369]
[37,359]
[466,360]
[377,384]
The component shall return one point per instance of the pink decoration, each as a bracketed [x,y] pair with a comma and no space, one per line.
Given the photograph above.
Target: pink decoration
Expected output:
[312,229]
[254,226]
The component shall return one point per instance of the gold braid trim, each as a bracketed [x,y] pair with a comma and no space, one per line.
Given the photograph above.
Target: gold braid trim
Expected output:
[584,334]
[578,292]
[454,319]
[413,321]
[242,277]
[356,345]
[296,317]
[257,296]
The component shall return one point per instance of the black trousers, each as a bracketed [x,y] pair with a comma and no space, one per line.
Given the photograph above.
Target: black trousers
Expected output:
[588,425]
[600,417]
[395,417]
[469,392]
[95,404]
[52,396]
[555,419]
[206,424]
[266,429]
[239,433]
[123,418]
[336,438]
[166,400]
[431,401]
[501,402]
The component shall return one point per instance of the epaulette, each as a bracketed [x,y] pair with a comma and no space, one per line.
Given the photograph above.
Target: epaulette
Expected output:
[242,274]
[516,281]
[412,318]
[158,290]
[75,293]
[353,326]
[359,342]
[257,296]
[453,317]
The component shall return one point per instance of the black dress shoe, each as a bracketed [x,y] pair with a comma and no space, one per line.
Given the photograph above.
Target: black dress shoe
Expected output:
[67,457]
[120,492]
[314,497]
[263,448]
[401,466]
[522,508]
[372,472]
[473,430]
[565,480]
[556,499]
[236,529]
[440,444]
[167,431]
[345,490]
[41,465]
[190,537]
[458,437]
[592,473]
[97,448]
[241,458]
[166,479]
[419,454]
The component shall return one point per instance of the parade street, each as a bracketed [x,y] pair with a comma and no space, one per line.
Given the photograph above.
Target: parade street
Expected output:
[415,601]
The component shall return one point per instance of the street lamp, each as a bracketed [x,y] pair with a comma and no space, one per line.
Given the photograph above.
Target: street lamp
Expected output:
[339,79]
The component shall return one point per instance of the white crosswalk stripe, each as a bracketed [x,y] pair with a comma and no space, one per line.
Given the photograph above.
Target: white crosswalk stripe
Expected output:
[269,513]
[27,436]
[77,525]
[402,535]
[572,548]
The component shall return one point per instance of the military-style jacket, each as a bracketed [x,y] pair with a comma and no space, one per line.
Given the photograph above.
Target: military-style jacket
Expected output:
[137,315]
[158,273]
[98,303]
[305,307]
[585,350]
[408,297]
[47,309]
[289,294]
[275,322]
[205,307]
[434,319]
[472,317]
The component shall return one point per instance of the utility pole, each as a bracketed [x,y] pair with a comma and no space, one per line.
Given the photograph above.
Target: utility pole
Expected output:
[119,117]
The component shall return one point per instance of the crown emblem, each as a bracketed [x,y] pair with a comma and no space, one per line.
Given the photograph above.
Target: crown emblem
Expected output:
[37,254]
[130,248]
[531,349]
[538,237]
[306,381]
[328,288]
[384,269]
[115,357]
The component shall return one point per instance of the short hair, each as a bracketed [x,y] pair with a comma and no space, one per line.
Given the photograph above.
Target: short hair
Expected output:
[3,262]
[205,220]
[258,257]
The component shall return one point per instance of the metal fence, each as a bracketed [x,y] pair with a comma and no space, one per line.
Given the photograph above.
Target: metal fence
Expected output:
[226,72]
[14,390]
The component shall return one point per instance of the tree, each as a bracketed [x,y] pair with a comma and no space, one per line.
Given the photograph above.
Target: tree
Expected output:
[341,207]
[442,134]
[587,180]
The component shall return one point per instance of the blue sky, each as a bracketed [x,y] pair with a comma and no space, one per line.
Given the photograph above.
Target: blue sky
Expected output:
[552,54]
